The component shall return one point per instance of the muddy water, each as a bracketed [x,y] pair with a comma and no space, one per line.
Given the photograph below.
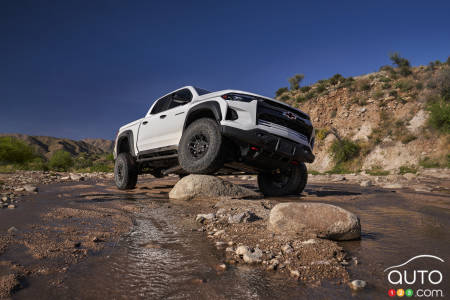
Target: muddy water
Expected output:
[162,258]
[396,226]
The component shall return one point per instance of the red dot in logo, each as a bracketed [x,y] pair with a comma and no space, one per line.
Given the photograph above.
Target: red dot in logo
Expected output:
[391,293]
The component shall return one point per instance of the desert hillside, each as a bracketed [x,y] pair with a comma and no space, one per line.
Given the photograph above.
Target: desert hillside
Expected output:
[396,119]
[47,146]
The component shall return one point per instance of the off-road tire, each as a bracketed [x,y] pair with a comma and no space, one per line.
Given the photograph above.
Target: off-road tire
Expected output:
[125,171]
[193,154]
[289,181]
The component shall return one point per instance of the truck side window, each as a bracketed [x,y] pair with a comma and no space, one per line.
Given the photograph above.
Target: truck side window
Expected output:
[180,97]
[161,105]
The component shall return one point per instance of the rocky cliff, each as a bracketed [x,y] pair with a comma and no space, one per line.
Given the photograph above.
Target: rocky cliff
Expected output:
[396,120]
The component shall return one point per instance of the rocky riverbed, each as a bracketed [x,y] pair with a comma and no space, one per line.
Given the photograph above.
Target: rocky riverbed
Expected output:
[70,221]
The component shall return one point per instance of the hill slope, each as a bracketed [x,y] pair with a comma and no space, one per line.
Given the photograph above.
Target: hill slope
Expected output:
[384,116]
[46,146]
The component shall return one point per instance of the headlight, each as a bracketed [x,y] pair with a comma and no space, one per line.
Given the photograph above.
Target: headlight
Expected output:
[238,97]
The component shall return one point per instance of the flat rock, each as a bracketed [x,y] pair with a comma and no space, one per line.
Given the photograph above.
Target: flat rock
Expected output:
[393,186]
[366,183]
[357,284]
[205,186]
[324,220]
[76,177]
[30,188]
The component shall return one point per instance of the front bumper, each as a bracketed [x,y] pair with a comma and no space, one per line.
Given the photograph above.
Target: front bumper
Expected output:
[270,144]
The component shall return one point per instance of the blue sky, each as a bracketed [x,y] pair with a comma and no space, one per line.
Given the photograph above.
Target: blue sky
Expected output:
[82,69]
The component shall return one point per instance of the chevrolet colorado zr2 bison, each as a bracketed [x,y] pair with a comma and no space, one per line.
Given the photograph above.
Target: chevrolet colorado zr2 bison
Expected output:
[194,131]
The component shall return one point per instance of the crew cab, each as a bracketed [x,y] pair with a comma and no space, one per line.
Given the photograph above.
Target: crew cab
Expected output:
[194,131]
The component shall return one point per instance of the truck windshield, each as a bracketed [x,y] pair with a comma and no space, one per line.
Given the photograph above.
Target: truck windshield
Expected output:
[201,92]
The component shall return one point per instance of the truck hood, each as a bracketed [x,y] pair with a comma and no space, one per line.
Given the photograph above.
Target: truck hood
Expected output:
[220,93]
[131,124]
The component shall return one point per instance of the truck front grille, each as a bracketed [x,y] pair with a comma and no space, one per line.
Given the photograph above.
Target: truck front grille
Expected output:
[274,116]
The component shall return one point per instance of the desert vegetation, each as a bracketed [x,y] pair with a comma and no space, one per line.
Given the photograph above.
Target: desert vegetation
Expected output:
[15,154]
[405,108]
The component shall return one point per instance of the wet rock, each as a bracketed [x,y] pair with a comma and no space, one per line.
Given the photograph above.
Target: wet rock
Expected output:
[324,220]
[273,264]
[205,187]
[65,178]
[96,239]
[252,257]
[219,233]
[221,267]
[295,273]
[366,183]
[11,206]
[21,189]
[242,217]
[13,230]
[339,178]
[202,217]
[241,250]
[76,177]
[30,188]
[5,199]
[357,285]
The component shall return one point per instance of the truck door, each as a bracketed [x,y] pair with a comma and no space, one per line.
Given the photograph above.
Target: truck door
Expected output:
[163,126]
[151,134]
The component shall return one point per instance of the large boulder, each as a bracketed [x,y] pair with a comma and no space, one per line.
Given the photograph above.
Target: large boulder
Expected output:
[324,220]
[205,186]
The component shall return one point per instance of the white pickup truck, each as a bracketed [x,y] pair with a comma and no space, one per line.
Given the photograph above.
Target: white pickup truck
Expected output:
[194,131]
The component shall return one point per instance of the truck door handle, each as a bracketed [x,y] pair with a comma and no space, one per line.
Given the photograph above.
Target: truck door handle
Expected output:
[162,116]
[144,123]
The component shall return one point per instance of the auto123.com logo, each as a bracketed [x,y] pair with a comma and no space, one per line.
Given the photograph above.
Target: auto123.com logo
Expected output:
[410,280]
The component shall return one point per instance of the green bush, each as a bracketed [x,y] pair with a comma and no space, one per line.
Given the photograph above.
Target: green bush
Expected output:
[344,150]
[393,93]
[440,116]
[310,95]
[377,171]
[102,167]
[285,97]
[398,60]
[281,91]
[295,80]
[407,169]
[82,162]
[386,86]
[300,98]
[336,79]
[378,94]
[321,133]
[388,69]
[321,88]
[419,86]
[402,63]
[61,161]
[385,79]
[428,162]
[15,151]
[339,168]
[443,84]
[305,89]
[404,85]
[407,138]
